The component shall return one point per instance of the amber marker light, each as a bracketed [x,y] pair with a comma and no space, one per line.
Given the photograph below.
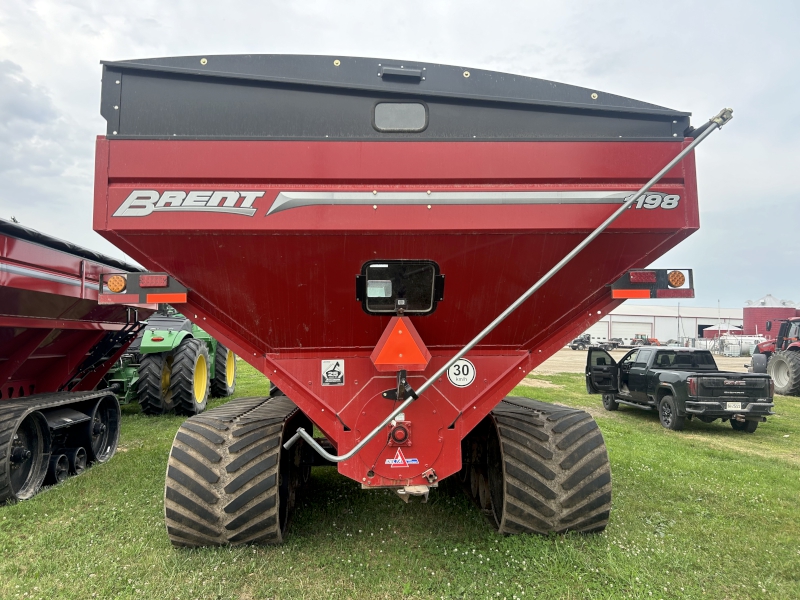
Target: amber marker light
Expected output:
[676,279]
[116,283]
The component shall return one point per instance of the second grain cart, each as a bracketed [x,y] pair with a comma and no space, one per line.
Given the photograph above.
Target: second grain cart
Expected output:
[395,245]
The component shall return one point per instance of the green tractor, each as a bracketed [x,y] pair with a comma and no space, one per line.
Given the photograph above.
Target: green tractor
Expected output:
[173,365]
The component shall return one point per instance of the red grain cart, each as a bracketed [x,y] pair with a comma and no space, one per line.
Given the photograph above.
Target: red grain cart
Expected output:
[351,227]
[56,343]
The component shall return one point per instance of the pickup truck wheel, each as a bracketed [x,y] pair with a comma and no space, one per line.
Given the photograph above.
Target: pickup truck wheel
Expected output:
[668,414]
[746,426]
[581,347]
[609,402]
[784,368]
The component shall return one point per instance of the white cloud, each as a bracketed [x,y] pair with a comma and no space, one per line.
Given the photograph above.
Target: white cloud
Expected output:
[684,55]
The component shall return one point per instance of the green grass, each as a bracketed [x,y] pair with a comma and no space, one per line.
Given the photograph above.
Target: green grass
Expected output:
[704,513]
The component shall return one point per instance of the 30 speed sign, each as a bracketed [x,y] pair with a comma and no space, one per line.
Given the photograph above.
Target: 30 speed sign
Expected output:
[462,373]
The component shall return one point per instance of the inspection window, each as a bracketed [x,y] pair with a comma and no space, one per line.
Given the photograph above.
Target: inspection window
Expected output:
[382,283]
[410,117]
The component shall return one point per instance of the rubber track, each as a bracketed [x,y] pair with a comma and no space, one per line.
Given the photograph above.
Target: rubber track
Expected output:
[556,472]
[148,387]
[182,378]
[222,476]
[12,412]
[219,385]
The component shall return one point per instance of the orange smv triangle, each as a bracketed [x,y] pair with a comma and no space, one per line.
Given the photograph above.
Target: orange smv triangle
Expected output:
[400,348]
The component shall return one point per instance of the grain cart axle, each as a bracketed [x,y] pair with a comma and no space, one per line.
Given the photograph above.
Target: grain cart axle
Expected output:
[369,244]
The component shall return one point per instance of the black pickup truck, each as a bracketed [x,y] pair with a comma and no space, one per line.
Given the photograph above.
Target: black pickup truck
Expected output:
[680,383]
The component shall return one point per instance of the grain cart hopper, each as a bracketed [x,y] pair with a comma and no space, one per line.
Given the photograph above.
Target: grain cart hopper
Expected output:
[56,343]
[358,230]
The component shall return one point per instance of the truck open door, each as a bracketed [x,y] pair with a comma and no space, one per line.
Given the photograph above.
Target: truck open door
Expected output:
[602,372]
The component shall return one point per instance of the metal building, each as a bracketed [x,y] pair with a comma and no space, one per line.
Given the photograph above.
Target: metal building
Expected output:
[662,322]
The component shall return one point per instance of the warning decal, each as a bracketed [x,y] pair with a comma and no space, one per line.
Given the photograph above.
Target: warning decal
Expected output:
[400,460]
[333,372]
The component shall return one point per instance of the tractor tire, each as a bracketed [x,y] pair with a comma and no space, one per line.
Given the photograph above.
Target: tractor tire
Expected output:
[784,368]
[229,479]
[190,382]
[668,414]
[224,383]
[153,387]
[610,402]
[538,468]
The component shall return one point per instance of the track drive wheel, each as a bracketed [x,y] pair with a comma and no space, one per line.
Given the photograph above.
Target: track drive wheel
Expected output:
[103,430]
[153,388]
[190,380]
[229,480]
[25,452]
[539,468]
[784,368]
[224,383]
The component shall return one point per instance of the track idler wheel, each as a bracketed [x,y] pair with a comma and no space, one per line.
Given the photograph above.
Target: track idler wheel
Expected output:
[229,480]
[102,430]
[539,468]
[58,470]
[25,456]
[77,460]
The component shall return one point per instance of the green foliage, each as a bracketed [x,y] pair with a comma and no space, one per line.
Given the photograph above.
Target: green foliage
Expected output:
[704,513]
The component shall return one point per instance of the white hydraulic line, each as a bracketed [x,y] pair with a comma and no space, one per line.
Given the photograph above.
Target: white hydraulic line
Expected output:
[725,115]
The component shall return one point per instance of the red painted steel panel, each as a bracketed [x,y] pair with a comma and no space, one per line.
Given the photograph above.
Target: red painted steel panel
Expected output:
[50,297]
[279,287]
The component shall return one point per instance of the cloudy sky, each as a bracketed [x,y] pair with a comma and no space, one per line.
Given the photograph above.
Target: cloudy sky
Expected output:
[691,56]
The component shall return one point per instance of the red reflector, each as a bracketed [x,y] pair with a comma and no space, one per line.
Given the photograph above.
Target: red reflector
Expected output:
[675,293]
[158,339]
[170,298]
[643,277]
[400,347]
[151,281]
[118,299]
[630,293]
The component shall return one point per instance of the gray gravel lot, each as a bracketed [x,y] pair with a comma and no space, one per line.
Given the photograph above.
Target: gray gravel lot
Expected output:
[574,361]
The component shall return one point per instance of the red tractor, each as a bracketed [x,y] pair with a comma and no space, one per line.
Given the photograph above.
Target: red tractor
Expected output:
[781,357]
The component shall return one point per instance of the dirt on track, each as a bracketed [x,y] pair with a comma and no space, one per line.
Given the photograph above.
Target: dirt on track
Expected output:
[574,361]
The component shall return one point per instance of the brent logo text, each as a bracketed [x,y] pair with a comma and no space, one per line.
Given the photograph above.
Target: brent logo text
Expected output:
[141,203]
